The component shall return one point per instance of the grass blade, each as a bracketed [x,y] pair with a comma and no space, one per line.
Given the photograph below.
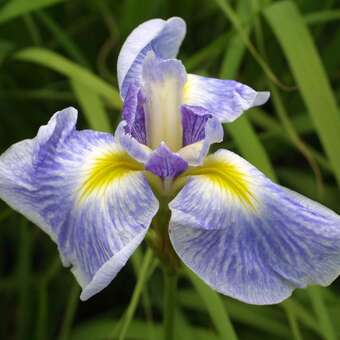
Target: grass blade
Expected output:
[302,314]
[42,313]
[320,309]
[291,31]
[241,130]
[72,70]
[92,107]
[322,16]
[234,19]
[215,307]
[250,146]
[136,295]
[63,38]
[206,53]
[24,275]
[16,8]
[294,326]
[71,309]
[257,317]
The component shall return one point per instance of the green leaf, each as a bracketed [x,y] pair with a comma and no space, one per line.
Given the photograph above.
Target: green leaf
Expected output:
[183,327]
[292,319]
[92,107]
[320,309]
[237,23]
[4,214]
[6,47]
[23,278]
[99,328]
[16,8]
[302,314]
[305,183]
[215,307]
[263,318]
[296,41]
[63,38]
[138,330]
[130,312]
[250,146]
[241,130]
[206,53]
[70,312]
[322,16]
[75,72]
[275,130]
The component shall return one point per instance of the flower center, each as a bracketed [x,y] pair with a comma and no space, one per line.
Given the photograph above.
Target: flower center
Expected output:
[164,119]
[163,82]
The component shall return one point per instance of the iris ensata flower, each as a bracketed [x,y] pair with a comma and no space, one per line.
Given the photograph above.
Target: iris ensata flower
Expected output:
[96,194]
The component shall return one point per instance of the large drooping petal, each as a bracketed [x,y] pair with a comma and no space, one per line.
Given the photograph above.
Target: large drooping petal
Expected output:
[163,37]
[250,238]
[224,99]
[85,192]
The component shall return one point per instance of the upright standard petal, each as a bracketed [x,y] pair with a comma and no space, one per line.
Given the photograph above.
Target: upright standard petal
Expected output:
[85,192]
[163,82]
[193,123]
[134,114]
[224,99]
[202,131]
[131,135]
[250,238]
[163,37]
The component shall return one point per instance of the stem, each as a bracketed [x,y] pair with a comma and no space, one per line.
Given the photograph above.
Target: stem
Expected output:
[142,277]
[170,284]
[293,323]
[70,312]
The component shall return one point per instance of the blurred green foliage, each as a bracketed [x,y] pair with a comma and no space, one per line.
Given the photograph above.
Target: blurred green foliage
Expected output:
[56,53]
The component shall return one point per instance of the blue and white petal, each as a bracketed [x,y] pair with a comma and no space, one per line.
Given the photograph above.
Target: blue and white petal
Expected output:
[224,99]
[163,81]
[135,149]
[194,120]
[165,163]
[195,153]
[163,37]
[85,192]
[249,238]
[134,114]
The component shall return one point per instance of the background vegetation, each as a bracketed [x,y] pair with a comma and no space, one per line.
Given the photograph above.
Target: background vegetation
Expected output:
[56,53]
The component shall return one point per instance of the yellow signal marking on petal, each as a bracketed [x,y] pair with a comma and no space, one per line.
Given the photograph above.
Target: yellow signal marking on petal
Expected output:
[228,177]
[106,168]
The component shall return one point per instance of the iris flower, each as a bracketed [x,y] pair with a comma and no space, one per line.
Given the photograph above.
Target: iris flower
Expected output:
[96,194]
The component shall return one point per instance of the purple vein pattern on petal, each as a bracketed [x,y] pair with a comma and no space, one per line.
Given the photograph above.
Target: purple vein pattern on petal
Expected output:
[162,37]
[134,114]
[194,121]
[195,153]
[249,238]
[73,186]
[165,164]
[224,99]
